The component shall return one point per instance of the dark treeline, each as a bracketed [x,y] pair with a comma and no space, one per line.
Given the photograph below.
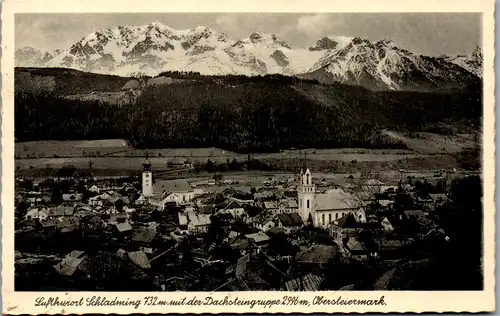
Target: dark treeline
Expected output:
[62,81]
[253,115]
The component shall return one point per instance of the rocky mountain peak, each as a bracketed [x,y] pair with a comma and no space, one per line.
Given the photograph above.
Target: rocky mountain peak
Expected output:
[266,38]
[477,54]
[155,47]
[324,44]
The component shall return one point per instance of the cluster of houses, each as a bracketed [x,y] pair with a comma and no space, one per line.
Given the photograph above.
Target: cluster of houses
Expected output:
[141,217]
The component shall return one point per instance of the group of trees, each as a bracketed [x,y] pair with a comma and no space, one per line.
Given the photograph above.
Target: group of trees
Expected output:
[234,165]
[264,114]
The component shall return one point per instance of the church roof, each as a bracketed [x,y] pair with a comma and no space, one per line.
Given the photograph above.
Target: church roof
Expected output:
[335,200]
[174,186]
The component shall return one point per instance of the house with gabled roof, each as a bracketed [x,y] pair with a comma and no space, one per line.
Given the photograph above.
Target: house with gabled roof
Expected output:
[264,222]
[270,206]
[258,239]
[72,197]
[344,227]
[141,200]
[392,222]
[96,200]
[356,250]
[289,222]
[281,206]
[94,188]
[49,224]
[70,263]
[59,211]
[39,214]
[198,223]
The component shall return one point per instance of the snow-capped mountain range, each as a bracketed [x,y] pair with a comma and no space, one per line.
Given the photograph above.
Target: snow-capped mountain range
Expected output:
[153,48]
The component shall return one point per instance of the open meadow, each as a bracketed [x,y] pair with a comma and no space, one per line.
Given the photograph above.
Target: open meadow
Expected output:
[117,157]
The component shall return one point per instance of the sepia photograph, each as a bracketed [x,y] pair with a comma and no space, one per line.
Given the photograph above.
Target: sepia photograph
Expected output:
[247,152]
[156,153]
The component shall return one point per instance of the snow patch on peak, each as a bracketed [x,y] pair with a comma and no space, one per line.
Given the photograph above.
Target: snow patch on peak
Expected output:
[201,28]
[262,38]
[156,47]
[342,41]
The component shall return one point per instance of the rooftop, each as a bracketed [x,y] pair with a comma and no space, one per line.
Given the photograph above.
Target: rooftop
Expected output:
[198,219]
[290,220]
[335,199]
[320,254]
[355,246]
[123,227]
[174,186]
[139,258]
[258,237]
[70,263]
[309,282]
[144,235]
[270,204]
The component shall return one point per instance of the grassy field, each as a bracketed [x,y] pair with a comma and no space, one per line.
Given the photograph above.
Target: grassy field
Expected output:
[430,143]
[420,145]
[120,148]
[378,163]
[70,148]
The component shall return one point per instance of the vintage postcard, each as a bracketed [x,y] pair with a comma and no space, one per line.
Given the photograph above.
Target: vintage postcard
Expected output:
[232,157]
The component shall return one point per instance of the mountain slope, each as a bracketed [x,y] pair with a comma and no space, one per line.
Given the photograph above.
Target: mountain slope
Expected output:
[473,62]
[264,113]
[153,48]
[383,65]
[30,57]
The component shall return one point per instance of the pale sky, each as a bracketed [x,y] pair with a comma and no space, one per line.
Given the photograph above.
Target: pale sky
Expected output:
[421,33]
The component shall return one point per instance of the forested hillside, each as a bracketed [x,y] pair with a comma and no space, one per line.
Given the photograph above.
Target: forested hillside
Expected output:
[62,81]
[244,114]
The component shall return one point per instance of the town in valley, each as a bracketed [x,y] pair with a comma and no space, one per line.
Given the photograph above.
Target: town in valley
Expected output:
[236,231]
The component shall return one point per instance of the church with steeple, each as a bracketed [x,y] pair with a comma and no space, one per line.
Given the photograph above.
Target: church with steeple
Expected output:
[306,192]
[321,209]
[160,192]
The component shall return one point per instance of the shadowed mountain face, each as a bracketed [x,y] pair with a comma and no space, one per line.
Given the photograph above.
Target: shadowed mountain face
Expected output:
[152,48]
